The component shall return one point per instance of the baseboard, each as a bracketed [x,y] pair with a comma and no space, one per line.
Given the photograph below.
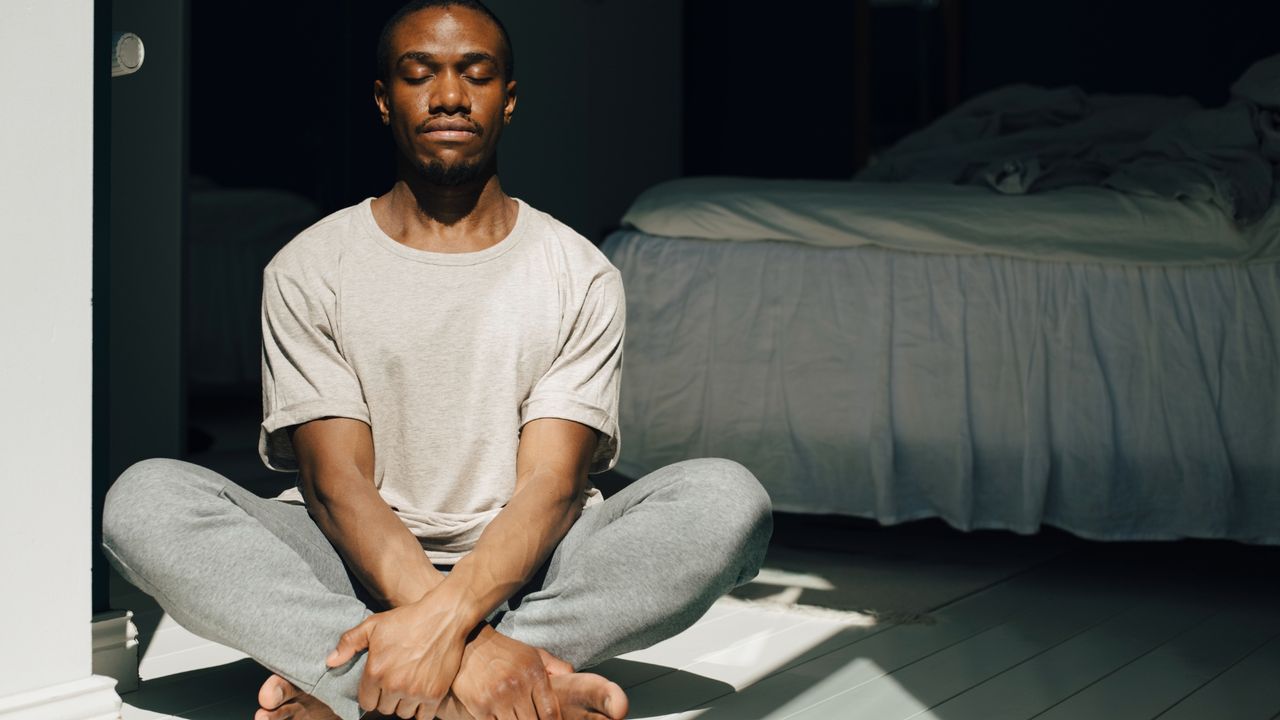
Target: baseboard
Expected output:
[115,649]
[93,698]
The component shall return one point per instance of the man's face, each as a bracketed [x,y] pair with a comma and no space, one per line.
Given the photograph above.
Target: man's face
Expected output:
[446,100]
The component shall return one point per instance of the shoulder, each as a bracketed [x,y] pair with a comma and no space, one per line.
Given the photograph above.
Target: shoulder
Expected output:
[318,250]
[571,255]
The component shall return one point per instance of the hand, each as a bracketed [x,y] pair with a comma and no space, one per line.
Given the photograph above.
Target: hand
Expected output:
[504,678]
[414,654]
[554,665]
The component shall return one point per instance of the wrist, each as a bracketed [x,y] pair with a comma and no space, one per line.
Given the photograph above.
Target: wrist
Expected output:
[460,608]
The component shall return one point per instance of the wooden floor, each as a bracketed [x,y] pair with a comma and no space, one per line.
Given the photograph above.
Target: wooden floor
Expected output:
[928,624]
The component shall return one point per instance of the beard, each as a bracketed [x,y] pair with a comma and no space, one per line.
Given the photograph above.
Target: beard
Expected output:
[459,173]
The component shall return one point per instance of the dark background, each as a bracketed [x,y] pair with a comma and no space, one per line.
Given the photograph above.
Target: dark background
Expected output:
[300,115]
[755,66]
[768,88]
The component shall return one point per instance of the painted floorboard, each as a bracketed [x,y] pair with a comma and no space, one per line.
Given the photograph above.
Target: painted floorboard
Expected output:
[129,712]
[201,654]
[1248,690]
[913,689]
[866,658]
[1046,679]
[1070,639]
[1160,679]
[724,671]
[182,693]
[714,630]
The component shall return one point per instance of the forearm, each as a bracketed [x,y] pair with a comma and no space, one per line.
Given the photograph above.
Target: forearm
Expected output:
[514,545]
[379,549]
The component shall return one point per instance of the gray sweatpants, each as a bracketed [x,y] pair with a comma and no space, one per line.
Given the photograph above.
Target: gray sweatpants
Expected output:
[258,575]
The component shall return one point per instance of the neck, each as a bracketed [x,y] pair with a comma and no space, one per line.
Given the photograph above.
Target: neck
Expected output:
[446,218]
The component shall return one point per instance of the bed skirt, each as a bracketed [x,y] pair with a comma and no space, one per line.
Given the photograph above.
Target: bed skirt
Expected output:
[1114,401]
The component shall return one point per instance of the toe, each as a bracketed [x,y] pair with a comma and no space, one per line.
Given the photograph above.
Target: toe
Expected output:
[274,692]
[288,711]
[614,701]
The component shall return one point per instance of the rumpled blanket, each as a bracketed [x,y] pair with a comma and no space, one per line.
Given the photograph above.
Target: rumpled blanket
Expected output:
[1022,138]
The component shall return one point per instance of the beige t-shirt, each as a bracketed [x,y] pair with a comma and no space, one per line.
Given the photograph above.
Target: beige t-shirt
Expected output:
[445,355]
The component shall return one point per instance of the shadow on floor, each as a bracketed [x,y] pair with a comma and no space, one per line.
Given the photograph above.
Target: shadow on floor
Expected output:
[231,687]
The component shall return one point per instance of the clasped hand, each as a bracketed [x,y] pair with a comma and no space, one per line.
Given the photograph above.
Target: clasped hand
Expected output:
[416,653]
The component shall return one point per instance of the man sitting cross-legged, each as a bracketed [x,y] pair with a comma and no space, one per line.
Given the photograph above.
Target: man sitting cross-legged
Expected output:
[441,368]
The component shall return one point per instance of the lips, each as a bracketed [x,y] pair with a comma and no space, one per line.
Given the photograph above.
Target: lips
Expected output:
[450,126]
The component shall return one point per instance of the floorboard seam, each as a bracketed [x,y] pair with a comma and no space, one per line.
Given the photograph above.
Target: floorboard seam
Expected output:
[1005,579]
[1217,675]
[1113,671]
[791,665]
[887,673]
[1027,659]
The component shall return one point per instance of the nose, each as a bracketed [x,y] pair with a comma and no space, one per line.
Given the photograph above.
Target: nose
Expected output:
[450,95]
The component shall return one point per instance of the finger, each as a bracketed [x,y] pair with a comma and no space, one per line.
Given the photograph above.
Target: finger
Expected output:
[387,702]
[367,694]
[407,710]
[546,702]
[352,641]
[524,710]
[432,708]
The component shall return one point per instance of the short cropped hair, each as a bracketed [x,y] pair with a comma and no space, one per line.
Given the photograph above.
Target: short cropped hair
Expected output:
[384,39]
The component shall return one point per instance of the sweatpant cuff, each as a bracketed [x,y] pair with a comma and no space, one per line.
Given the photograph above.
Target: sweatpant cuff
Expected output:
[338,687]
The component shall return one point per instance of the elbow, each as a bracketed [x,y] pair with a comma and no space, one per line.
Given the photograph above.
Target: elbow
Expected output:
[576,503]
[325,496]
[575,509]
[312,491]
[560,497]
[318,503]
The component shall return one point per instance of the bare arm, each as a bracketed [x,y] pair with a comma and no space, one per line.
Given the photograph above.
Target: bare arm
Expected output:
[335,460]
[551,475]
[335,465]
[415,650]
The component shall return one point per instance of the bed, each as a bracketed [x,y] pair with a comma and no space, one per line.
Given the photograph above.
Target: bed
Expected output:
[1093,344]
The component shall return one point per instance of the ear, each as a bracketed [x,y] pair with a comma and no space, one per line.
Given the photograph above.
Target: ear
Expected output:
[509,108]
[382,100]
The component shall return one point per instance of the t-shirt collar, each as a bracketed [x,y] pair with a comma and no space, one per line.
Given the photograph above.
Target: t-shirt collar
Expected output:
[365,213]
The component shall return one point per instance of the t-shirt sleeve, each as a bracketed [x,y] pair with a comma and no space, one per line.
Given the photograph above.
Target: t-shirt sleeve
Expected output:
[304,375]
[582,383]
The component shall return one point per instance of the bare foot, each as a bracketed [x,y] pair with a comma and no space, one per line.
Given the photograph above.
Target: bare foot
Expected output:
[280,699]
[582,696]
[586,696]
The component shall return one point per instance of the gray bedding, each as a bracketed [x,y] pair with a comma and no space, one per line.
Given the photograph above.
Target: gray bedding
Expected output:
[1023,139]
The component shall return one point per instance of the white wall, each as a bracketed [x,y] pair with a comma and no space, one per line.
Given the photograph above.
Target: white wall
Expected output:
[46,142]
[599,112]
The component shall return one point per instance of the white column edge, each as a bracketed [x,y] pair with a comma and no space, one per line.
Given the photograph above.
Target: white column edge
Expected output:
[93,698]
[115,649]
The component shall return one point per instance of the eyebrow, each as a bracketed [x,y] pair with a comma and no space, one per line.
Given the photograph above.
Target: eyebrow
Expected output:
[427,58]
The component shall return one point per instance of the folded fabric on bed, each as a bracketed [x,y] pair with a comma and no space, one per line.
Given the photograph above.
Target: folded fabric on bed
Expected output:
[1115,401]
[1074,138]
[1078,224]
[1021,139]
